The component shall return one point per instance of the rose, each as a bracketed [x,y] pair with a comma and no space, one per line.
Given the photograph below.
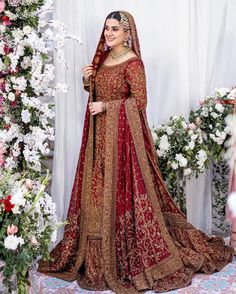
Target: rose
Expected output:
[192,126]
[14,2]
[12,230]
[198,120]
[201,101]
[29,184]
[2,5]
[6,20]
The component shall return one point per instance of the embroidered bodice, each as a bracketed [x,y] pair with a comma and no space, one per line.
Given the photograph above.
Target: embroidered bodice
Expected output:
[122,81]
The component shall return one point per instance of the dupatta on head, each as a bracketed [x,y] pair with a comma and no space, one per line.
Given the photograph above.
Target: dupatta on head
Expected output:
[102,51]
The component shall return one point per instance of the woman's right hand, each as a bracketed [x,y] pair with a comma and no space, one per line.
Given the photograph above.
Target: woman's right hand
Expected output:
[87,71]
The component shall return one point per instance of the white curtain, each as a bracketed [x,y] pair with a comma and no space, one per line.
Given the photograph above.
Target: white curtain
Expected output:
[188,49]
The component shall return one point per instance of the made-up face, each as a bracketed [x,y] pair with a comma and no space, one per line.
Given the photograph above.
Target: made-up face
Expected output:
[114,33]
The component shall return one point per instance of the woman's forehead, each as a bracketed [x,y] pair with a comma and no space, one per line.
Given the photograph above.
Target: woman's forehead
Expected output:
[111,22]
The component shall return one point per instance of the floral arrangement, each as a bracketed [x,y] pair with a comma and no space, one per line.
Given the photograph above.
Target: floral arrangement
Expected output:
[28,225]
[26,75]
[28,220]
[181,153]
[212,115]
[187,147]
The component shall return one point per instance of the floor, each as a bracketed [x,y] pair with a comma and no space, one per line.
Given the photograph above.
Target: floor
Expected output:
[222,282]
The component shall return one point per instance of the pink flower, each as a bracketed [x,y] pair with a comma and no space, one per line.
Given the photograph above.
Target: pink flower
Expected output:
[12,230]
[198,121]
[34,241]
[2,161]
[29,184]
[2,5]
[192,126]
[201,101]
[14,2]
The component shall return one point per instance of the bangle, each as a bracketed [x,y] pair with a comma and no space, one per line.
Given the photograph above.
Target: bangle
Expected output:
[104,106]
[86,83]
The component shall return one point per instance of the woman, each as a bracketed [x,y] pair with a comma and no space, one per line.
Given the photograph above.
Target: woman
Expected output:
[125,232]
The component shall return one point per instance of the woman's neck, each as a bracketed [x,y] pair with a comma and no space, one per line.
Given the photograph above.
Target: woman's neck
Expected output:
[118,49]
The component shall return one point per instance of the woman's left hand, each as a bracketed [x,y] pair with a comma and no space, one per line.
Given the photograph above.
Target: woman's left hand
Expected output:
[95,107]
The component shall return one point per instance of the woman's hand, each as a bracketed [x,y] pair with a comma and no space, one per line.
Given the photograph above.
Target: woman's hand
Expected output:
[95,107]
[87,71]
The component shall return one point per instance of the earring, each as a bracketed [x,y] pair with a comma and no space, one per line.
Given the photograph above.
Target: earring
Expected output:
[125,42]
[105,46]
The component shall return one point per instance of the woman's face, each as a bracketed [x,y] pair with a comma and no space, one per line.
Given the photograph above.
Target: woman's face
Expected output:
[114,33]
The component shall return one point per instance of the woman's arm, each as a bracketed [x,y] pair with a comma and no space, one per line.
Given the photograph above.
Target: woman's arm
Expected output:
[135,77]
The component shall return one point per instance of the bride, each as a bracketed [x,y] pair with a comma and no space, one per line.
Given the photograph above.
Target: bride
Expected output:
[125,233]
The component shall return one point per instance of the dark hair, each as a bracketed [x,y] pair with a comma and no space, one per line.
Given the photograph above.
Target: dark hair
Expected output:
[114,15]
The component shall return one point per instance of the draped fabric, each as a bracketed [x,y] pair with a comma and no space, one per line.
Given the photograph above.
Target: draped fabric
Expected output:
[125,232]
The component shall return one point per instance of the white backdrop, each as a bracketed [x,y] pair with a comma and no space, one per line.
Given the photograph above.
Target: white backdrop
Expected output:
[188,50]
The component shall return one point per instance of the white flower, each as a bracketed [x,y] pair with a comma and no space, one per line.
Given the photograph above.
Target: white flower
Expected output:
[2,29]
[20,83]
[27,30]
[181,159]
[232,94]
[214,114]
[194,137]
[12,242]
[14,60]
[219,107]
[164,144]
[169,131]
[17,34]
[201,159]
[25,115]
[18,198]
[160,153]
[26,62]
[16,209]
[174,165]
[191,145]
[11,96]
[187,171]
[221,92]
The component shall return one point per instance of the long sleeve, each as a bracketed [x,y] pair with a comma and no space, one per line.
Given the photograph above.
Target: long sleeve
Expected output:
[86,85]
[135,77]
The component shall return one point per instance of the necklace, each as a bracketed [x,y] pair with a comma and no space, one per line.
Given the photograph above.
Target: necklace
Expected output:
[118,55]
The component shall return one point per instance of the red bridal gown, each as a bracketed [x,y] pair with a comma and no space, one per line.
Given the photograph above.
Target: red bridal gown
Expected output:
[125,232]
